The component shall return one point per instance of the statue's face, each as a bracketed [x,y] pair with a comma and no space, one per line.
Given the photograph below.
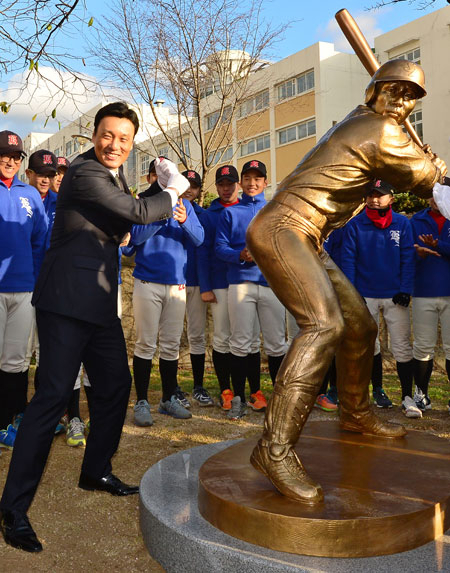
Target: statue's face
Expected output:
[395,99]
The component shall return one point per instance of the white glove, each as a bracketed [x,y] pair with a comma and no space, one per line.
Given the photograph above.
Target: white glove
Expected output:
[441,196]
[178,183]
[164,169]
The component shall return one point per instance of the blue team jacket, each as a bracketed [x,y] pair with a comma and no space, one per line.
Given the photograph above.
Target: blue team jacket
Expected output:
[333,245]
[23,231]
[379,262]
[50,208]
[432,276]
[161,255]
[212,271]
[230,240]
[191,269]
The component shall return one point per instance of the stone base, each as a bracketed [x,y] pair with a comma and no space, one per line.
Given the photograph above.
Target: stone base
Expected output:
[382,496]
[178,537]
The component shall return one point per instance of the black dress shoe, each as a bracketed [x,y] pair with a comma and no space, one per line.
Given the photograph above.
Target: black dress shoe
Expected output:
[109,483]
[18,532]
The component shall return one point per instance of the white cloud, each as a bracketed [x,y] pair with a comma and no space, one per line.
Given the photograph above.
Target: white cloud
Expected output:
[368,23]
[30,94]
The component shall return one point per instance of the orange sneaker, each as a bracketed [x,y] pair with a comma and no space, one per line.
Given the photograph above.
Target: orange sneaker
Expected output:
[324,403]
[225,399]
[258,402]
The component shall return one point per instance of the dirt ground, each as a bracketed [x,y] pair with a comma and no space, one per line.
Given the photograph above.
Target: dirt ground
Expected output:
[96,532]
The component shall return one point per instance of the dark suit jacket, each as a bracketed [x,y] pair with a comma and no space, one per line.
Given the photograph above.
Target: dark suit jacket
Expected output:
[80,271]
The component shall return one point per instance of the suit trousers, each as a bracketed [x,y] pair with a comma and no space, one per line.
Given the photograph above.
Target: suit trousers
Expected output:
[64,343]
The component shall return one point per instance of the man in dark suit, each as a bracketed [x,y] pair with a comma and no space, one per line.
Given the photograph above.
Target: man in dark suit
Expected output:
[76,313]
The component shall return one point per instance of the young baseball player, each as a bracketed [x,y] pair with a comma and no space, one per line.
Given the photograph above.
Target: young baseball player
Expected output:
[431,296]
[159,303]
[63,166]
[23,229]
[249,296]
[212,277]
[378,258]
[195,307]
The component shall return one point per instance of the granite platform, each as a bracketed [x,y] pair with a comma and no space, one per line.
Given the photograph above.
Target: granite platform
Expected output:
[178,537]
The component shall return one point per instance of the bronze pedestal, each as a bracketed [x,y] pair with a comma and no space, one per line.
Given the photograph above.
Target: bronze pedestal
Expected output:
[382,496]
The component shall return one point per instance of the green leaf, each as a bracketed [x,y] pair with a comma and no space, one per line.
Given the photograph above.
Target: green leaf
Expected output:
[46,121]
[34,117]
[49,27]
[91,21]
[31,65]
[36,65]
[54,113]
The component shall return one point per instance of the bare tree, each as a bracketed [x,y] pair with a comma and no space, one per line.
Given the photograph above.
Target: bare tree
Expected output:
[421,4]
[196,55]
[33,37]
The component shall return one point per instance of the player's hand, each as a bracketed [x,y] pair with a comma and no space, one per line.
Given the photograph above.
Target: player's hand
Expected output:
[125,240]
[208,296]
[429,240]
[423,252]
[246,256]
[402,299]
[179,213]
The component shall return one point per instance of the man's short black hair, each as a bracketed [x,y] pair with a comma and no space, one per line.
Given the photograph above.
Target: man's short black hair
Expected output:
[117,109]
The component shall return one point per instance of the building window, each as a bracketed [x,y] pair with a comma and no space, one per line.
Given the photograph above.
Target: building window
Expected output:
[69,148]
[183,149]
[296,86]
[416,121]
[412,56]
[222,155]
[213,118]
[57,153]
[296,132]
[163,151]
[256,103]
[254,145]
[144,163]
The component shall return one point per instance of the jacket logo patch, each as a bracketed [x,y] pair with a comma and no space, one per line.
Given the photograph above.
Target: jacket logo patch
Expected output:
[26,205]
[395,236]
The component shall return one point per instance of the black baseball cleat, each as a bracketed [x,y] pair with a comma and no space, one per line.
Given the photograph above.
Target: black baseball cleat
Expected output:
[18,532]
[109,483]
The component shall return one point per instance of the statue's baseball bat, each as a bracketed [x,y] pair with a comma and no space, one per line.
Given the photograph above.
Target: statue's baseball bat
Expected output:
[362,49]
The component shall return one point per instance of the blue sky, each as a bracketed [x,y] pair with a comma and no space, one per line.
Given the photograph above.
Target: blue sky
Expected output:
[310,21]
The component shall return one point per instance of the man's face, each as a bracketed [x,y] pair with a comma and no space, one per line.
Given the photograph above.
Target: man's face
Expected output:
[10,164]
[395,99]
[377,200]
[57,179]
[227,191]
[253,183]
[192,193]
[113,141]
[41,182]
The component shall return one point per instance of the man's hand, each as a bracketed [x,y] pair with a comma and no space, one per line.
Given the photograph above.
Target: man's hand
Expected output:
[423,252]
[402,299]
[429,240]
[164,169]
[246,256]
[179,213]
[208,296]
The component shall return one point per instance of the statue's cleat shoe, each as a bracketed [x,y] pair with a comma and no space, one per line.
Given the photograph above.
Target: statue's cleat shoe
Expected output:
[286,473]
[367,423]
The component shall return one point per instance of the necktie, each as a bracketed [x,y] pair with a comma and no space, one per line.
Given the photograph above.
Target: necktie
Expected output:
[118,181]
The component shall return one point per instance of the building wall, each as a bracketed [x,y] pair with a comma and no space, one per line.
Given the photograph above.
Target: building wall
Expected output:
[431,33]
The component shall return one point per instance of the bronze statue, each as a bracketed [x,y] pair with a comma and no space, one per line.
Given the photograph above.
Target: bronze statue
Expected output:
[324,191]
